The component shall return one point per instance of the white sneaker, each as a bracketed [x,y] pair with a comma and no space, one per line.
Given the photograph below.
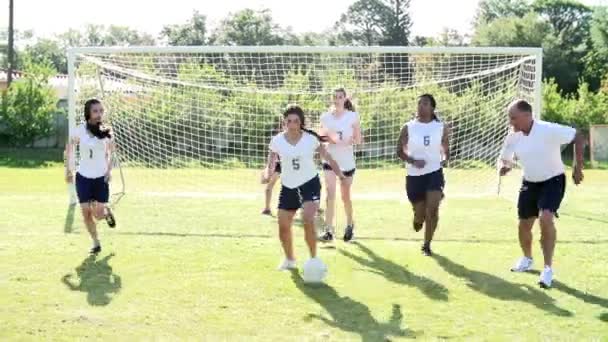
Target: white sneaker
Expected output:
[523,264]
[288,265]
[546,277]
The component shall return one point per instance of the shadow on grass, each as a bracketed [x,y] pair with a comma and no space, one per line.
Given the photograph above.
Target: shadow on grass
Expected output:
[95,277]
[584,296]
[30,157]
[68,225]
[498,288]
[349,315]
[397,273]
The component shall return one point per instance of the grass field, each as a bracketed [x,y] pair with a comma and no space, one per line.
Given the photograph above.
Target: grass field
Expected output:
[202,269]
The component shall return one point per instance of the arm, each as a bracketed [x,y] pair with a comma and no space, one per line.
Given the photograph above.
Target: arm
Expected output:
[270,166]
[69,156]
[110,148]
[445,144]
[402,145]
[334,166]
[357,138]
[577,167]
[506,155]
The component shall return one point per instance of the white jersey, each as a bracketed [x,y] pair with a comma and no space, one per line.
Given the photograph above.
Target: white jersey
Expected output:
[539,152]
[92,162]
[343,126]
[424,142]
[297,161]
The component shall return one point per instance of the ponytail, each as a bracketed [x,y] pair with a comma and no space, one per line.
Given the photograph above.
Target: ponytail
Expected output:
[348,105]
[315,134]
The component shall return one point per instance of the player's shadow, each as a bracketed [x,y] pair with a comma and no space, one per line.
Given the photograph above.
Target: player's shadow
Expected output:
[397,273]
[349,315]
[498,288]
[585,297]
[68,225]
[96,278]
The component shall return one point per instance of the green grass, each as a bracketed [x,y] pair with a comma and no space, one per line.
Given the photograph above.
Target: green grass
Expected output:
[203,269]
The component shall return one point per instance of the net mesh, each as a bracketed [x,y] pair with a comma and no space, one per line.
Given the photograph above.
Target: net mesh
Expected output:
[199,123]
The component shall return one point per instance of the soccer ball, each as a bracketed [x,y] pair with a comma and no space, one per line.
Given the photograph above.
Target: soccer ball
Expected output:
[314,271]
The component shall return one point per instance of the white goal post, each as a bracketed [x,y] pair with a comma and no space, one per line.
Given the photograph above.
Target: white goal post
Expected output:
[196,121]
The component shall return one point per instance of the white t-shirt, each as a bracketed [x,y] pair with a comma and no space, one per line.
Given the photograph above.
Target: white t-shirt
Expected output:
[297,161]
[92,162]
[424,142]
[539,152]
[343,126]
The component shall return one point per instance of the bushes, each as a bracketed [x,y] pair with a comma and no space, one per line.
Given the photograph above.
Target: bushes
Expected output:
[28,106]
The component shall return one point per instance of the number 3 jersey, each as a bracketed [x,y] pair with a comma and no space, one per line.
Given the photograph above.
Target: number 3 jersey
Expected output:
[343,127]
[92,162]
[424,142]
[297,161]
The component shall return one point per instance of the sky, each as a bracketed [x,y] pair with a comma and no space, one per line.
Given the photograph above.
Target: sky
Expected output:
[47,17]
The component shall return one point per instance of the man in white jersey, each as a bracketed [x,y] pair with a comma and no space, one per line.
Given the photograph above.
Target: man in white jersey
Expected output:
[301,187]
[424,145]
[537,146]
[94,169]
[342,128]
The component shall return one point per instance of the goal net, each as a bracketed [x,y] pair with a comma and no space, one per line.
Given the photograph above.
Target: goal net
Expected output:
[196,121]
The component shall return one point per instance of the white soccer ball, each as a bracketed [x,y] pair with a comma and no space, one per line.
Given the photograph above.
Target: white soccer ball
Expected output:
[315,271]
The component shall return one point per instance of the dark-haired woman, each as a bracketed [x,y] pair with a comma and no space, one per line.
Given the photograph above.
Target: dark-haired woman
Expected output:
[94,169]
[424,146]
[343,130]
[301,187]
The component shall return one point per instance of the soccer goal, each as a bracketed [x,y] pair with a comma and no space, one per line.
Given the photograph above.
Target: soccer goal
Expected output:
[196,121]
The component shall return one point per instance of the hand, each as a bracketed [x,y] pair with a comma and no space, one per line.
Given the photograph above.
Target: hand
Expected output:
[265,179]
[69,177]
[504,170]
[418,163]
[108,177]
[444,163]
[577,175]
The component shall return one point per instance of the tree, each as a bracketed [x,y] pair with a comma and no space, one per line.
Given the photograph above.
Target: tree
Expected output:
[570,22]
[527,31]
[490,10]
[249,27]
[194,32]
[47,50]
[375,22]
[596,60]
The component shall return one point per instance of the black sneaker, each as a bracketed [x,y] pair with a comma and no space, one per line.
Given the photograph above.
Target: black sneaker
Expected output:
[267,212]
[327,237]
[96,249]
[426,250]
[110,220]
[417,226]
[348,233]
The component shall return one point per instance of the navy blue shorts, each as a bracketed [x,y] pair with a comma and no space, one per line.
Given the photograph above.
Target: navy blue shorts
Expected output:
[292,199]
[349,173]
[537,196]
[92,189]
[417,186]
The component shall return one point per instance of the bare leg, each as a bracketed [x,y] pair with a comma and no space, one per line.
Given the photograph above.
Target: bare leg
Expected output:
[330,206]
[433,199]
[345,189]
[419,214]
[308,215]
[285,222]
[89,221]
[525,235]
[548,235]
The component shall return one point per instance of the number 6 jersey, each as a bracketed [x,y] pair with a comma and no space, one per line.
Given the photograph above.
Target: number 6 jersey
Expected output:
[424,142]
[297,161]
